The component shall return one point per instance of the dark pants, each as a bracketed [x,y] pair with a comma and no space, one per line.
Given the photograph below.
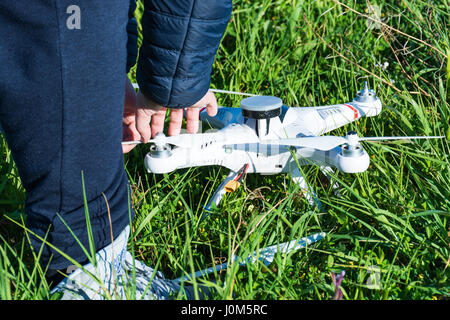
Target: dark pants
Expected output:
[61,106]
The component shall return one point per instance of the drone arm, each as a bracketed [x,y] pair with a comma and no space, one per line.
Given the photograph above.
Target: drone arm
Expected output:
[313,121]
[357,162]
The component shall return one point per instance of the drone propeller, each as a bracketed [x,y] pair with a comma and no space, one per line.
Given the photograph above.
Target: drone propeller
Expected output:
[235,134]
[321,143]
[325,143]
[182,140]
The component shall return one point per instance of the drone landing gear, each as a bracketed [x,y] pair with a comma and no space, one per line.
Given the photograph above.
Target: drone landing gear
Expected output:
[307,190]
[232,182]
[329,173]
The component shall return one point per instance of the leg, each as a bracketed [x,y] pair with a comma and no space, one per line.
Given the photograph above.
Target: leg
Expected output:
[115,269]
[61,105]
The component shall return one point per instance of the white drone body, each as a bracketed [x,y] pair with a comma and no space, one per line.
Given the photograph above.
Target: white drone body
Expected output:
[260,133]
[266,137]
[258,148]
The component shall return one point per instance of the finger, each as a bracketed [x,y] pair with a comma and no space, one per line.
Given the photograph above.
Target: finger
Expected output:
[143,123]
[192,116]
[211,107]
[158,121]
[176,120]
[129,134]
[211,110]
[133,134]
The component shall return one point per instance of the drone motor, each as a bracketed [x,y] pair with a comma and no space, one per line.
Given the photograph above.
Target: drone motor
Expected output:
[163,151]
[366,95]
[353,148]
[352,157]
[160,148]
[159,155]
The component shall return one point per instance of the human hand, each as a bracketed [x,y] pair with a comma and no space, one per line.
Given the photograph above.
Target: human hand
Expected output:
[147,110]
[129,131]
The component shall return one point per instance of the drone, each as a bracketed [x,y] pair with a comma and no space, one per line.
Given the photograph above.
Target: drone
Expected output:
[265,136]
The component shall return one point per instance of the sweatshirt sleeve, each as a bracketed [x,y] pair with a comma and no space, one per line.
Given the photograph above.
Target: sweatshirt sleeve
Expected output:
[180,41]
[132,32]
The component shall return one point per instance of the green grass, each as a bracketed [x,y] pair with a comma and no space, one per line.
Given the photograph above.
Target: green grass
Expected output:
[393,216]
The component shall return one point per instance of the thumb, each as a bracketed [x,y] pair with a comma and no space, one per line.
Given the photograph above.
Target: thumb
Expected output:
[143,117]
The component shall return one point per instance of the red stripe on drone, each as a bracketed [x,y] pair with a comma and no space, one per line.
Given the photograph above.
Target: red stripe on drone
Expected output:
[355,111]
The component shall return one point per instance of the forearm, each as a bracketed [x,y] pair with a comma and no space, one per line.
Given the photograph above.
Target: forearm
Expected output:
[180,41]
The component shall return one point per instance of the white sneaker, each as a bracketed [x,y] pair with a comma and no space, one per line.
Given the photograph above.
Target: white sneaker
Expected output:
[113,277]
